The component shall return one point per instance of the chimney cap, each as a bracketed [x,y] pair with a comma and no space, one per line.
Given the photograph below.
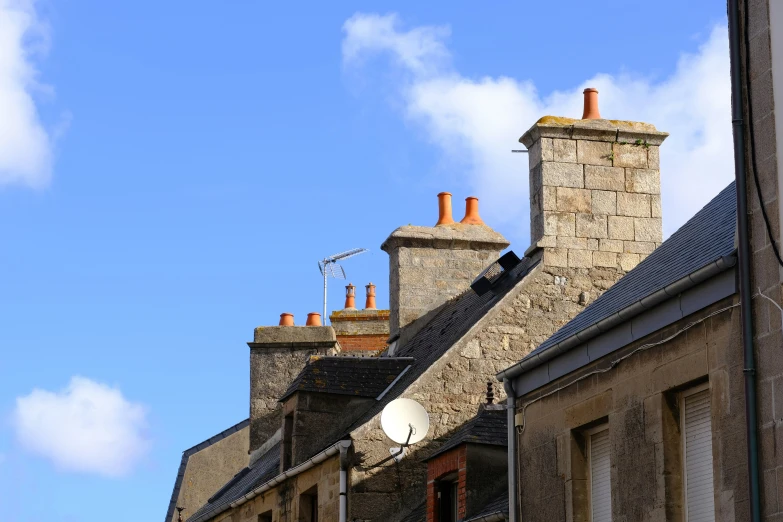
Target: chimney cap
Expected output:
[471,212]
[444,209]
[286,319]
[313,319]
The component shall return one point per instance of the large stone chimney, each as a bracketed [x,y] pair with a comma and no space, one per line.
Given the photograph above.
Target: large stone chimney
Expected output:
[277,355]
[594,189]
[429,265]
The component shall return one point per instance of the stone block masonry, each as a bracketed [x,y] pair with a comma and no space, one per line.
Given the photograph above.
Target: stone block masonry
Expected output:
[595,191]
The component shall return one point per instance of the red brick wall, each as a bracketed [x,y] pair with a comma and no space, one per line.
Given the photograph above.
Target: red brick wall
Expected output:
[449,462]
[364,343]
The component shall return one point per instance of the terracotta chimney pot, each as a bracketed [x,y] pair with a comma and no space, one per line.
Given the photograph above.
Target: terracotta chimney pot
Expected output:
[591,104]
[370,303]
[313,319]
[286,319]
[350,297]
[444,209]
[471,212]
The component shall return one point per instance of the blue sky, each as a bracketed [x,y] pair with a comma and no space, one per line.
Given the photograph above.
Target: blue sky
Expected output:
[170,172]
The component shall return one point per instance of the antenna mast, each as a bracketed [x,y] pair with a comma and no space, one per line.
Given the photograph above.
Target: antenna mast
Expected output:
[330,267]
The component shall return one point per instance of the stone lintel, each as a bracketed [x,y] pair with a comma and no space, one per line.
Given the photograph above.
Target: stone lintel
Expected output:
[359,315]
[593,130]
[450,237]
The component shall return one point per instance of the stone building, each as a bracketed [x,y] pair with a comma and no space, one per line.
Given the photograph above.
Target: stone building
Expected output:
[459,313]
[362,331]
[661,400]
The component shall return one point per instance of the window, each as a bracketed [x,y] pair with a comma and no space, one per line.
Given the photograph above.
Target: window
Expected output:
[448,498]
[308,505]
[265,517]
[599,474]
[696,422]
[288,447]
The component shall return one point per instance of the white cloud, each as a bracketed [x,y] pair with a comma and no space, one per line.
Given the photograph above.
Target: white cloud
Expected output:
[477,121]
[25,145]
[87,427]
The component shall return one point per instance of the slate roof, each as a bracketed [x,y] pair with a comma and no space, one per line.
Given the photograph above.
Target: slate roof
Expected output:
[262,471]
[498,505]
[487,427]
[186,456]
[347,375]
[450,324]
[705,238]
[419,514]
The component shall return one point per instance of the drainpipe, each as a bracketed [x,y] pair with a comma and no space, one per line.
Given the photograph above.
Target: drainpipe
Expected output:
[744,257]
[343,514]
[511,399]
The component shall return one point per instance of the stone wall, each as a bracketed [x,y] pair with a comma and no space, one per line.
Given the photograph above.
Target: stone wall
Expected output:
[638,400]
[429,265]
[452,389]
[209,469]
[765,272]
[595,191]
[277,355]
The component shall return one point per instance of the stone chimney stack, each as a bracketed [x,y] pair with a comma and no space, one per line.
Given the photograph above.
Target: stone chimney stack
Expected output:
[594,189]
[429,265]
[277,354]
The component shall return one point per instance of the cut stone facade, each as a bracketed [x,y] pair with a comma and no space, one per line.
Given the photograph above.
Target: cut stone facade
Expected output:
[595,191]
[429,265]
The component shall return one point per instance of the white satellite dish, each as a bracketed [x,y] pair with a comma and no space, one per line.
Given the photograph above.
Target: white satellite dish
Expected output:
[405,421]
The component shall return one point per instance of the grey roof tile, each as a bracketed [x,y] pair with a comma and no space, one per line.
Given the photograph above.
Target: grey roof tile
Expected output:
[498,504]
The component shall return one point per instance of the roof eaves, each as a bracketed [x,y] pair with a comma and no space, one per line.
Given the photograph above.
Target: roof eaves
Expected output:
[689,281]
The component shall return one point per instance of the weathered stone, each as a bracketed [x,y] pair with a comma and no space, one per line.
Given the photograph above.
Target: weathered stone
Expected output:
[604,202]
[647,181]
[556,257]
[648,229]
[541,150]
[580,258]
[594,152]
[608,259]
[589,225]
[472,350]
[549,198]
[638,247]
[578,243]
[611,245]
[565,151]
[559,224]
[592,244]
[655,204]
[604,178]
[573,200]
[653,158]
[562,174]
[628,261]
[634,205]
[629,155]
[621,227]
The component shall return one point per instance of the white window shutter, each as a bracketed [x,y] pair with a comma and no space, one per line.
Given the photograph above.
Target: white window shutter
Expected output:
[697,450]
[600,483]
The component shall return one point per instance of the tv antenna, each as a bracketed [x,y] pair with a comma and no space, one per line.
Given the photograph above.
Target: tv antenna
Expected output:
[406,422]
[329,266]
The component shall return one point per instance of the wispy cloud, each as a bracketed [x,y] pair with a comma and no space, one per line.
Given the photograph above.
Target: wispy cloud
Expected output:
[476,121]
[87,427]
[25,145]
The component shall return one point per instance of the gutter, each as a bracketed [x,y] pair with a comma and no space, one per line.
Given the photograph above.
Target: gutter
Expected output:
[493,517]
[689,281]
[291,473]
[511,399]
[343,512]
[746,310]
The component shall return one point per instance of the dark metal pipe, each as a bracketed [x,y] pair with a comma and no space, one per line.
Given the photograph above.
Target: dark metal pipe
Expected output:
[746,309]
[513,488]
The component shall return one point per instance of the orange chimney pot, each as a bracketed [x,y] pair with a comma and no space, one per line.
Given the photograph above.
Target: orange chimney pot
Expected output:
[286,319]
[471,212]
[313,319]
[444,209]
[370,303]
[350,297]
[591,104]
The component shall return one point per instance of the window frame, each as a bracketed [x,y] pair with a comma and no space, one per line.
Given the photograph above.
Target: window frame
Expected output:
[588,438]
[705,386]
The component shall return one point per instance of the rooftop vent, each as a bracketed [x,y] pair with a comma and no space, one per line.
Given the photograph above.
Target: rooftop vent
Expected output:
[494,273]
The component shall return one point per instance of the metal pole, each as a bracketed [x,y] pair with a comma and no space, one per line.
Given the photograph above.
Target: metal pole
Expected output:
[513,487]
[324,319]
[746,309]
